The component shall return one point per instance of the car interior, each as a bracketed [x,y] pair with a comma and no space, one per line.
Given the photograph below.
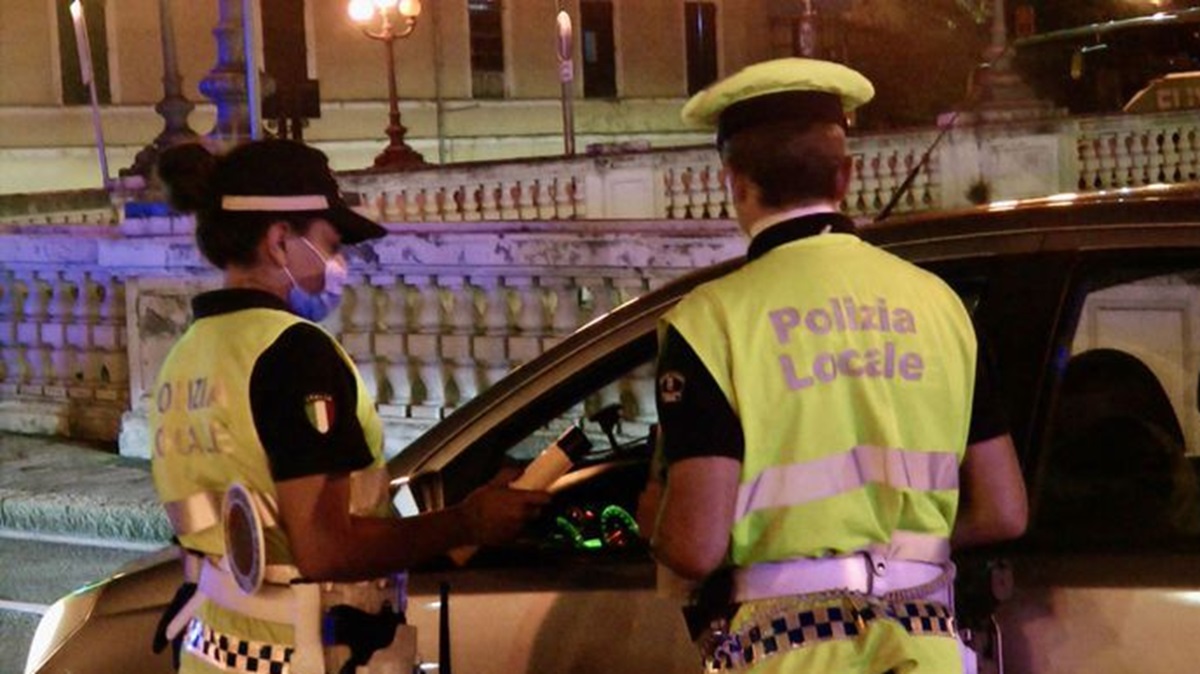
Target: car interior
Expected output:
[1117,466]
[1117,473]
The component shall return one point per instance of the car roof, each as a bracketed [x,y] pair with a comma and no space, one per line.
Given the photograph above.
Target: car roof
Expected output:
[1151,216]
[1154,216]
[1091,33]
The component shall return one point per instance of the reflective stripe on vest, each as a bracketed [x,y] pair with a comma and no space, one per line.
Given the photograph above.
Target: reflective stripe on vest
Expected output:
[797,483]
[202,510]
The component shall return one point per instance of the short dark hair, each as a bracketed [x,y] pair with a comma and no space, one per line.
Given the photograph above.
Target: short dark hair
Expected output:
[789,162]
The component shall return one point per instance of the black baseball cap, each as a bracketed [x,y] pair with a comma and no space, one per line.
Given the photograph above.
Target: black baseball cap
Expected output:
[284,176]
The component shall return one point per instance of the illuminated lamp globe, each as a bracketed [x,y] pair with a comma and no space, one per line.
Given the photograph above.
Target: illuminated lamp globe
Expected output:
[361,11]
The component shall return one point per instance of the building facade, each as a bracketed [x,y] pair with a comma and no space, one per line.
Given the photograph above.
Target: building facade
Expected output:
[477,79]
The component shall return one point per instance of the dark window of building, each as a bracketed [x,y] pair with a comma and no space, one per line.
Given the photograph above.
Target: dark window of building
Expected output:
[75,92]
[700,24]
[599,58]
[487,48]
[294,97]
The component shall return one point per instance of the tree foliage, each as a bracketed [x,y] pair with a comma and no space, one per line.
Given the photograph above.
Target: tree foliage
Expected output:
[919,54]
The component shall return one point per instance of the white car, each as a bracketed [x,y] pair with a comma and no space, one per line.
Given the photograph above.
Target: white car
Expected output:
[1092,309]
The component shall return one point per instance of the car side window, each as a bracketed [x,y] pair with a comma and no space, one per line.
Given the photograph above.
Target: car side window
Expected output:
[1122,444]
[592,512]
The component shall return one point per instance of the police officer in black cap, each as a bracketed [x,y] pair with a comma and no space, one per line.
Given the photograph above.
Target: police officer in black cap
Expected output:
[268,451]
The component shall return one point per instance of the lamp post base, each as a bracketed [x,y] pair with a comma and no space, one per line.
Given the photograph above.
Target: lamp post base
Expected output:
[400,158]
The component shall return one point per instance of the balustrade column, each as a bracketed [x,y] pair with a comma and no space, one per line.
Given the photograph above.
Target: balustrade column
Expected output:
[1110,161]
[526,200]
[1171,155]
[564,193]
[563,303]
[1157,142]
[529,319]
[490,349]
[359,317]
[424,346]
[462,381]
[675,193]
[1089,164]
[37,355]
[596,297]
[12,362]
[531,299]
[62,294]
[82,335]
[716,201]
[114,366]
[391,345]
[510,192]
[492,198]
[545,199]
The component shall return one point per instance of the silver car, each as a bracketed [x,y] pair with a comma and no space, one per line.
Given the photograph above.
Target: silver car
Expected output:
[1091,307]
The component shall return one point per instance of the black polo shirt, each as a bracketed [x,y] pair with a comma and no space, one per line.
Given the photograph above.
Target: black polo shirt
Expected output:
[698,421]
[291,378]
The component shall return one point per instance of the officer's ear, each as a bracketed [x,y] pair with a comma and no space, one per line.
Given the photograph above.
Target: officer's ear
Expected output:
[844,175]
[273,247]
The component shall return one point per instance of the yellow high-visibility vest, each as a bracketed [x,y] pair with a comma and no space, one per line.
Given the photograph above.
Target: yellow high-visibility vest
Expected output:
[204,440]
[852,373]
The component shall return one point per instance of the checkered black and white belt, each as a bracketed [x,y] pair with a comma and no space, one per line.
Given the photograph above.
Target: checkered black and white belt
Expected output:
[785,629]
[233,654]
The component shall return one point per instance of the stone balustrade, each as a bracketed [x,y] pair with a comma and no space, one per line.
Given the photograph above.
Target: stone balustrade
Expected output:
[433,314]
[488,264]
[1130,151]
[973,162]
[678,184]
[64,367]
[74,207]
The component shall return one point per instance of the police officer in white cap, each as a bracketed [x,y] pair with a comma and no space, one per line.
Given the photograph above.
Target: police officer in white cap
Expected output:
[827,428]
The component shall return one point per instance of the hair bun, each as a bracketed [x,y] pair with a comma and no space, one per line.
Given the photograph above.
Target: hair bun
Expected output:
[186,170]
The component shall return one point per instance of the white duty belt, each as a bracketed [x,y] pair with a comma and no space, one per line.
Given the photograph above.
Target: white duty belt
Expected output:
[854,573]
[912,566]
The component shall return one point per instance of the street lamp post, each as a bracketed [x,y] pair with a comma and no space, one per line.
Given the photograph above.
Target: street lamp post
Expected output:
[397,155]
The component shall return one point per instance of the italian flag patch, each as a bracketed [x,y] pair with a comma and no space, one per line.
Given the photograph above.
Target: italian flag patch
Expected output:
[320,411]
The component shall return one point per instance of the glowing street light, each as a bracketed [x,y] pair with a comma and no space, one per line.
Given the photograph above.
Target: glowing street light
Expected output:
[397,155]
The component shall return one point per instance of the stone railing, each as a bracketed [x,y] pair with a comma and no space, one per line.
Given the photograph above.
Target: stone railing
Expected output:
[58,208]
[488,264]
[993,161]
[434,313]
[1130,151]
[668,184]
[64,367]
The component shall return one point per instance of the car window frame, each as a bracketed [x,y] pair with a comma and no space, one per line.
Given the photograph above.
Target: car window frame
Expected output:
[1093,270]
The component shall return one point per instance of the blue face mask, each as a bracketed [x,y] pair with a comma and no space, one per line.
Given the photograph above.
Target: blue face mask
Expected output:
[316,306]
